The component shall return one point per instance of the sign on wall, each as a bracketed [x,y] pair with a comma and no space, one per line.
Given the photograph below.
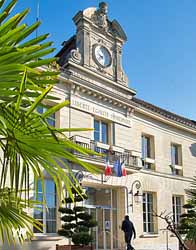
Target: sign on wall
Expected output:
[95,109]
[107,225]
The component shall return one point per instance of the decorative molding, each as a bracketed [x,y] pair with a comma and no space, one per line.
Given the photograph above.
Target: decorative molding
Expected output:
[87,79]
[88,71]
[168,115]
[75,56]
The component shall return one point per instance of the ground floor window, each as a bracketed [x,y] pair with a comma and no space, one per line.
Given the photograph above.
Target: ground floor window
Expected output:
[46,213]
[148,209]
[177,203]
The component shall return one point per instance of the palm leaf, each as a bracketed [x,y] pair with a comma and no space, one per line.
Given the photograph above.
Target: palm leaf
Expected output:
[13,220]
[28,144]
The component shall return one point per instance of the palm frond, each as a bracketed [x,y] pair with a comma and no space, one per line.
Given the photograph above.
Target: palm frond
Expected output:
[27,143]
[14,222]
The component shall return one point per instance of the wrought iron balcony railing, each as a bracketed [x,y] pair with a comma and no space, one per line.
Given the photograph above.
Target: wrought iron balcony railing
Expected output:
[131,159]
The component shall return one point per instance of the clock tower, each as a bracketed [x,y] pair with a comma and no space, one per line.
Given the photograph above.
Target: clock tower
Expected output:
[97,45]
[91,61]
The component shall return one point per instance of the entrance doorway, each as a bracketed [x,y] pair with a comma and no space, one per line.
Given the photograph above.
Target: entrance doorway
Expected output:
[103,206]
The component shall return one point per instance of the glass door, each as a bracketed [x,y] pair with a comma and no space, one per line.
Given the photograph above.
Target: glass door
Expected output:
[107,228]
[93,212]
[102,205]
[102,234]
[100,229]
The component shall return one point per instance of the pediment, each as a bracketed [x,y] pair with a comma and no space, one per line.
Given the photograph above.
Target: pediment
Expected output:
[117,28]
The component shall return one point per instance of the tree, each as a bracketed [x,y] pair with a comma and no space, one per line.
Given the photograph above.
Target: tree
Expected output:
[187,225]
[28,144]
[171,226]
[77,221]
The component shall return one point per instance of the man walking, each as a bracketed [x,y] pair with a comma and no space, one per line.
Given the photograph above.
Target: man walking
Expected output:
[129,230]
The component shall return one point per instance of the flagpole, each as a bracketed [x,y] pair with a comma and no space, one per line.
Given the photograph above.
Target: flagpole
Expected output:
[37,16]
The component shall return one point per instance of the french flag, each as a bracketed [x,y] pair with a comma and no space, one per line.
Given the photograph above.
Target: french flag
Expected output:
[119,168]
[123,169]
[108,169]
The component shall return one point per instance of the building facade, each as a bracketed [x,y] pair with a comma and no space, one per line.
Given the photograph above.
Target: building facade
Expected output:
[157,148]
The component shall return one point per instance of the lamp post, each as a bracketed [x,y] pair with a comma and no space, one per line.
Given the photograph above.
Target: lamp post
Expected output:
[135,192]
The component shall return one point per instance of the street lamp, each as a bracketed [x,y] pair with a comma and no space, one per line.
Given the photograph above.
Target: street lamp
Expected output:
[135,192]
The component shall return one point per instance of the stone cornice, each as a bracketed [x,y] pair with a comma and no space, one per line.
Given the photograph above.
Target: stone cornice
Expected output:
[165,120]
[180,124]
[100,77]
[82,86]
[167,176]
[165,113]
[118,99]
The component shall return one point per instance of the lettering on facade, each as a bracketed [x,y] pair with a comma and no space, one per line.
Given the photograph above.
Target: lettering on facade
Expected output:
[92,108]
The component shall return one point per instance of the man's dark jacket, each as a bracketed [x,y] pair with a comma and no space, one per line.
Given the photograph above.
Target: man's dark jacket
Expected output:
[128,227]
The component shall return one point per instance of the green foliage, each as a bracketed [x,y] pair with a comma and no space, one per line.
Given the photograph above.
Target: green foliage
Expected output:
[79,209]
[66,210]
[69,226]
[28,144]
[83,229]
[82,238]
[77,198]
[84,216]
[188,220]
[67,218]
[78,223]
[13,219]
[90,223]
[65,232]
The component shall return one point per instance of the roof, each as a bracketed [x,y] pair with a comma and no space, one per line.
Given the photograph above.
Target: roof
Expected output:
[165,113]
[67,47]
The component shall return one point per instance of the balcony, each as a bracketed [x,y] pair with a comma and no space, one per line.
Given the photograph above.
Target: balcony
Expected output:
[131,158]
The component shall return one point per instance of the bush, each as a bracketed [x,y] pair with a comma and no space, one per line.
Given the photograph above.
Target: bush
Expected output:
[82,238]
[77,222]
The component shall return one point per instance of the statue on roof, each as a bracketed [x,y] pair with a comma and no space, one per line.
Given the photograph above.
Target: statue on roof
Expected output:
[100,16]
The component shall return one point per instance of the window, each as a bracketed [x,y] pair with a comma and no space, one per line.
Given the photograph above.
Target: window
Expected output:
[177,203]
[46,213]
[100,131]
[148,152]
[176,159]
[50,119]
[148,208]
[176,154]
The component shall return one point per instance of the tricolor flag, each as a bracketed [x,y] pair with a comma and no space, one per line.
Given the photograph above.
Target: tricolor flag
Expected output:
[108,169]
[119,168]
[124,172]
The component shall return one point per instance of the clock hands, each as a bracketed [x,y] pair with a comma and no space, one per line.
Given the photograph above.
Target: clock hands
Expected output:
[102,56]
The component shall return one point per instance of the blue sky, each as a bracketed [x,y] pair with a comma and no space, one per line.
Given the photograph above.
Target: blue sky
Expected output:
[160,54]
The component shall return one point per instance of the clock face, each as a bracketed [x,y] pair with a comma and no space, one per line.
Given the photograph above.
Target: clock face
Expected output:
[102,56]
